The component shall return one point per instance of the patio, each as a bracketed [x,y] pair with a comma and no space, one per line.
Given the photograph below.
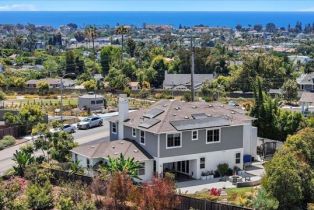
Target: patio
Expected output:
[253,173]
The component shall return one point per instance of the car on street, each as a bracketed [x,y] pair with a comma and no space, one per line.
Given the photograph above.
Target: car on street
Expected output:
[66,128]
[90,122]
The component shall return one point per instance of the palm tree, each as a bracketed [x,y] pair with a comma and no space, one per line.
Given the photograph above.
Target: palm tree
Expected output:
[121,164]
[122,30]
[22,159]
[91,34]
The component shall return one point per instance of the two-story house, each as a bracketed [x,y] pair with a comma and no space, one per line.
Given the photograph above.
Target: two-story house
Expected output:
[185,137]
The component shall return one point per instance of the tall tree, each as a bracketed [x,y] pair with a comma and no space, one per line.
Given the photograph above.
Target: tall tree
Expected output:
[91,34]
[122,31]
[160,66]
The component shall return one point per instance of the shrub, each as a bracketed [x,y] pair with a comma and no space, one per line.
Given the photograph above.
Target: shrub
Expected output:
[39,197]
[223,169]
[65,203]
[86,205]
[187,97]
[7,141]
[144,93]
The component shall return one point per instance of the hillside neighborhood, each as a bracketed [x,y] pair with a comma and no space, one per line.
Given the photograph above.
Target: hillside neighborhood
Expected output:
[157,117]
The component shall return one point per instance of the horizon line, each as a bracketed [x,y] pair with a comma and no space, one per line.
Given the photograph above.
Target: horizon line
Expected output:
[300,11]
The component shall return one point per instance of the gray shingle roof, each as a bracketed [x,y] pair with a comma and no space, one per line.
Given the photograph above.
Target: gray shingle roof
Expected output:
[307,97]
[180,110]
[185,79]
[128,148]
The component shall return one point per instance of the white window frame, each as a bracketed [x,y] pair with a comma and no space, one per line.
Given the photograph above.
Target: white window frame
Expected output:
[142,169]
[133,132]
[194,139]
[144,137]
[174,147]
[235,158]
[213,142]
[116,126]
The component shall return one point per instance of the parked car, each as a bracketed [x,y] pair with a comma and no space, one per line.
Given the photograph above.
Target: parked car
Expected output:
[66,128]
[90,122]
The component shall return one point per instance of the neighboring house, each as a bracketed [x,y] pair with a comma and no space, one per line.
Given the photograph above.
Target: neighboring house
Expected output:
[183,81]
[134,85]
[307,99]
[187,138]
[306,82]
[299,59]
[53,83]
[91,102]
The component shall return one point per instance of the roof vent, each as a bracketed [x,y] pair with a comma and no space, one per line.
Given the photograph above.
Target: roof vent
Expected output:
[209,115]
[186,117]
[210,105]
[121,142]
[92,147]
[165,105]
[221,105]
[115,153]
[174,114]
[136,151]
[113,147]
[194,107]
[233,112]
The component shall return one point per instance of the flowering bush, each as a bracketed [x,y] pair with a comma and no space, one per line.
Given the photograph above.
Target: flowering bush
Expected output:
[214,191]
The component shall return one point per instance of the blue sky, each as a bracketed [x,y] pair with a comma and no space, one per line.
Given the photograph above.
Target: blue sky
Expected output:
[156,5]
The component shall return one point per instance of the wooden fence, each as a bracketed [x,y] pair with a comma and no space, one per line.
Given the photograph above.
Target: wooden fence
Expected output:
[15,131]
[187,203]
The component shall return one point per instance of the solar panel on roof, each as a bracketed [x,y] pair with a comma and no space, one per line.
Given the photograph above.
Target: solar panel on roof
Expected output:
[149,123]
[199,116]
[153,113]
[199,123]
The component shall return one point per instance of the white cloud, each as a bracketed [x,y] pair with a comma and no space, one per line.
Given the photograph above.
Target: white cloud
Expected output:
[17,7]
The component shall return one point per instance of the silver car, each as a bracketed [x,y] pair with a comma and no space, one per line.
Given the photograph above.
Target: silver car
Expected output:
[66,128]
[90,122]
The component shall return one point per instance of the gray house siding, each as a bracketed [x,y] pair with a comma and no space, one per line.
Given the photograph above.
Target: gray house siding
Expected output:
[231,138]
[113,136]
[151,140]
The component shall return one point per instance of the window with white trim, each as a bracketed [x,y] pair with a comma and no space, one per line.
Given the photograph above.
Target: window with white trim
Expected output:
[213,136]
[238,158]
[174,140]
[133,132]
[141,169]
[202,163]
[114,127]
[194,135]
[142,137]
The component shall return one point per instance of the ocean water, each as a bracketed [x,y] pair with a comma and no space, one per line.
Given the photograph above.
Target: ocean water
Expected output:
[222,19]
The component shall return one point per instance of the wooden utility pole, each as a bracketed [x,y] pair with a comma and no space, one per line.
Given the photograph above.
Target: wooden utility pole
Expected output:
[192,69]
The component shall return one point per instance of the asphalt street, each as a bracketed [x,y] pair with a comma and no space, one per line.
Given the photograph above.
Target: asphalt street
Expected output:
[92,135]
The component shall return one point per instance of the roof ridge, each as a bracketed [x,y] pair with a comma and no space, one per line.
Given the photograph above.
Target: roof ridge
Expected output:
[127,149]
[166,114]
[98,145]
